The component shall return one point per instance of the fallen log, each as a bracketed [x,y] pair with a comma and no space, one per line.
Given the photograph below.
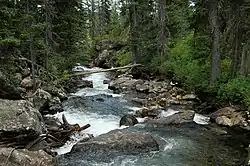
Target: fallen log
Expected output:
[104,70]
[84,127]
[59,134]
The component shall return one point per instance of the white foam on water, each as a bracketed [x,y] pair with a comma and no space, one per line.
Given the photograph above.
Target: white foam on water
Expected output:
[128,162]
[75,138]
[141,120]
[100,124]
[170,143]
[167,113]
[98,86]
[200,119]
[133,108]
[94,92]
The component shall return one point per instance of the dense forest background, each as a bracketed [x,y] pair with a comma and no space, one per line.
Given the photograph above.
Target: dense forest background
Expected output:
[202,44]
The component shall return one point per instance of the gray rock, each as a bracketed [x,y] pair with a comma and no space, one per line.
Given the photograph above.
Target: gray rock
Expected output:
[146,112]
[18,77]
[7,89]
[21,157]
[106,81]
[228,116]
[19,121]
[128,120]
[124,141]
[139,101]
[124,83]
[55,105]
[84,84]
[190,97]
[102,58]
[57,92]
[142,87]
[41,99]
[184,116]
[223,120]
[27,83]
[26,72]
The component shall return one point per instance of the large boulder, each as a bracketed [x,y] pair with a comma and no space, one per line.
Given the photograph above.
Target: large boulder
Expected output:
[128,120]
[57,92]
[148,112]
[125,83]
[184,116]
[228,116]
[77,82]
[105,147]
[142,88]
[27,83]
[22,157]
[102,59]
[7,89]
[41,99]
[55,105]
[128,142]
[19,121]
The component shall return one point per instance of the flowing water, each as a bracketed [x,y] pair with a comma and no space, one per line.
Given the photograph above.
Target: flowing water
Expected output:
[188,144]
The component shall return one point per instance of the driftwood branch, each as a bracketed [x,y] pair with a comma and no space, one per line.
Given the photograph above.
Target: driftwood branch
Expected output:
[104,70]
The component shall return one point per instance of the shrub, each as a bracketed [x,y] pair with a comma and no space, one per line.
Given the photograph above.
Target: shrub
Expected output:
[123,57]
[182,67]
[236,90]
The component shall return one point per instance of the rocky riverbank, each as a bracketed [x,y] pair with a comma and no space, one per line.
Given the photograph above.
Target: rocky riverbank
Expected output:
[27,137]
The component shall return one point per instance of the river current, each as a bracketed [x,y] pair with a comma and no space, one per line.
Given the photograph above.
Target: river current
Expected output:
[185,145]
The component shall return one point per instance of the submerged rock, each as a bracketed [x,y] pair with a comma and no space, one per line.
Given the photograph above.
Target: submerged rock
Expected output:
[19,121]
[128,120]
[22,157]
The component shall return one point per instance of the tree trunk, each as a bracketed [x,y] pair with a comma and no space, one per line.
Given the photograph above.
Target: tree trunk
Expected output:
[244,58]
[46,36]
[213,19]
[93,26]
[163,31]
[133,30]
[32,55]
[235,64]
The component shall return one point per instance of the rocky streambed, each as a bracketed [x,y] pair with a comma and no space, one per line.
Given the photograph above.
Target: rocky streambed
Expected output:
[132,122]
[167,130]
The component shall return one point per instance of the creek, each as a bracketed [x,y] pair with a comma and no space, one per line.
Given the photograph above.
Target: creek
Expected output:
[180,145]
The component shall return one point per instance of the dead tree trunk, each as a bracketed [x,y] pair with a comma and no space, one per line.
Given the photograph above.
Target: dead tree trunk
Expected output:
[133,30]
[213,19]
[244,59]
[163,29]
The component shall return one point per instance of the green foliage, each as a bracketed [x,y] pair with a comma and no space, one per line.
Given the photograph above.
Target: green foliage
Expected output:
[8,42]
[236,90]
[123,57]
[182,67]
